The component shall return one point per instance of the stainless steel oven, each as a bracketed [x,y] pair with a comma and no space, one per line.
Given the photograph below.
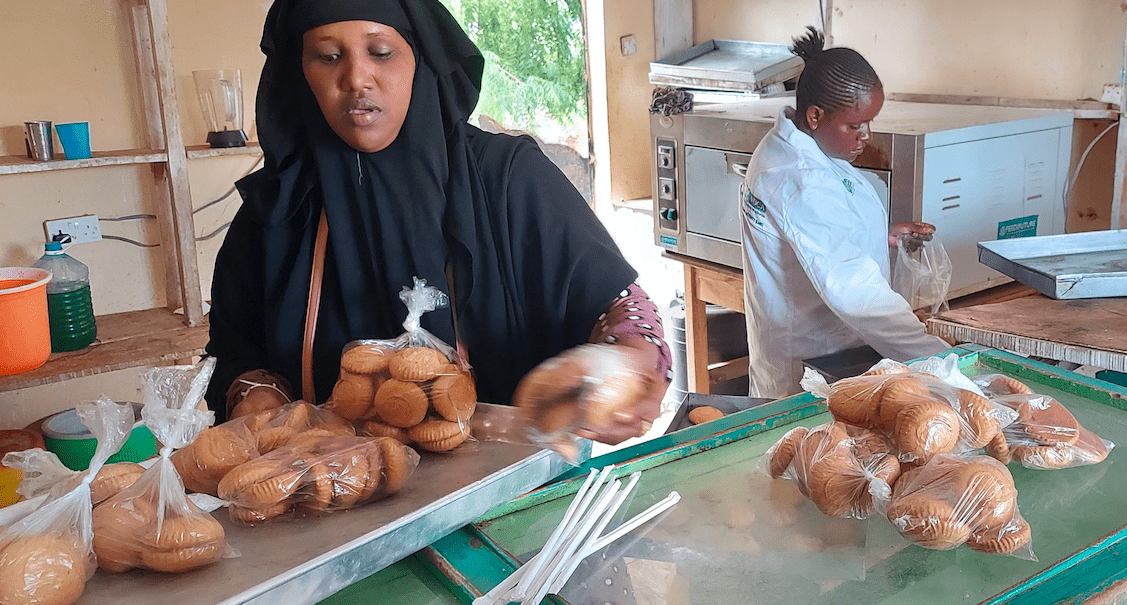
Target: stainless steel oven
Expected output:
[985,167]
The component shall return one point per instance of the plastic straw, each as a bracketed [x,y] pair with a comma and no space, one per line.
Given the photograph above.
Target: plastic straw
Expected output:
[636,522]
[582,553]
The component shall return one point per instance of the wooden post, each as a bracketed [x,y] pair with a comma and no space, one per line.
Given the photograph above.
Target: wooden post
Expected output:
[179,190]
[147,76]
[1117,221]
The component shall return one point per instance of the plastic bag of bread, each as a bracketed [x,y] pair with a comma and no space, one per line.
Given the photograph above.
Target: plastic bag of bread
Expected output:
[845,470]
[1045,435]
[152,524]
[317,474]
[218,449]
[414,388]
[47,556]
[585,387]
[952,501]
[923,414]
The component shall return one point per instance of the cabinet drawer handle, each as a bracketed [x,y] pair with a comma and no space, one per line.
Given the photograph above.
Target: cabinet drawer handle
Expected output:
[954,180]
[945,208]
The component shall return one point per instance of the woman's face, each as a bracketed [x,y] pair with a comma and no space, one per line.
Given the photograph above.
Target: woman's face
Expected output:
[843,134]
[361,74]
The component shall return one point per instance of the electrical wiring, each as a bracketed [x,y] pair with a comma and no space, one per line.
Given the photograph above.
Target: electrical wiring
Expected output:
[129,241]
[1079,164]
[217,231]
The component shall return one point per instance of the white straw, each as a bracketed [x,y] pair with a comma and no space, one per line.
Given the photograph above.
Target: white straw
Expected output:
[575,538]
[582,552]
[523,587]
[636,522]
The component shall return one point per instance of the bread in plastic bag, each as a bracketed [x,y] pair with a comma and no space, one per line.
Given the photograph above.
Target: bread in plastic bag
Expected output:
[952,501]
[844,470]
[582,388]
[923,414]
[152,524]
[414,388]
[317,474]
[1045,435]
[218,449]
[47,556]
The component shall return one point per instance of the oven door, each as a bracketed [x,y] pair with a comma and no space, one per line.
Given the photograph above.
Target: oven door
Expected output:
[712,194]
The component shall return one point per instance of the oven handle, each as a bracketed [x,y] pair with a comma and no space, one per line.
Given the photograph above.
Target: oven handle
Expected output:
[737,163]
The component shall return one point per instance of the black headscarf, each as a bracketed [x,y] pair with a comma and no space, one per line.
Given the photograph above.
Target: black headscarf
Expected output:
[405,211]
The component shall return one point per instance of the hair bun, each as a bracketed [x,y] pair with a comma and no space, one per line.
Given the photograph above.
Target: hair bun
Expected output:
[810,45]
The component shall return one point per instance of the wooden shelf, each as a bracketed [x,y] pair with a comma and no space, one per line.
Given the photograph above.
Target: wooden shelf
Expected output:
[153,337]
[204,151]
[17,164]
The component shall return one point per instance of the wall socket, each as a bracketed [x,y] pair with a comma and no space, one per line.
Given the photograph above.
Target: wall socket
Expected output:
[81,229]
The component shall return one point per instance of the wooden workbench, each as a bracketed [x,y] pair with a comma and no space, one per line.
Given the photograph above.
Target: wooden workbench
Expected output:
[1091,331]
[707,282]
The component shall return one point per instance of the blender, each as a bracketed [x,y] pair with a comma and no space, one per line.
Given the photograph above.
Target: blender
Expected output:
[221,98]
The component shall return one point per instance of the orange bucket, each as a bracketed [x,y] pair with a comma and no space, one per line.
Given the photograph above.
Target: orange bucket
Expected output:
[25,331]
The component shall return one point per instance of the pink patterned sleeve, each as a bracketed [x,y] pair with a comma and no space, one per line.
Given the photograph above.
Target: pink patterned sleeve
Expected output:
[634,314]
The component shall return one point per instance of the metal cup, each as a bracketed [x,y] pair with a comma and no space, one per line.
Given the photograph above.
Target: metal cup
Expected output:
[40,145]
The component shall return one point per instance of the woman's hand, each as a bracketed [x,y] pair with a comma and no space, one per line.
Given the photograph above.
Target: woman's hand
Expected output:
[918,234]
[604,392]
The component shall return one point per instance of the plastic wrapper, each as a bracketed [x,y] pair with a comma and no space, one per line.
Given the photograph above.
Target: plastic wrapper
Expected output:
[315,475]
[1045,435]
[923,414]
[152,524]
[218,449]
[47,556]
[414,388]
[952,501]
[923,277]
[584,387]
[844,470]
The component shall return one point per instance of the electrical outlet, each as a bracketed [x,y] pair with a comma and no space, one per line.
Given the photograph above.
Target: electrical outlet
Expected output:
[81,229]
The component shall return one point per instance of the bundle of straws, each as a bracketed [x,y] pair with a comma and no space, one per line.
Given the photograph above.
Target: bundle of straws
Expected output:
[578,536]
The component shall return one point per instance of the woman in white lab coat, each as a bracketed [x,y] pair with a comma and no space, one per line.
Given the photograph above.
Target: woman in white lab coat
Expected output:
[815,234]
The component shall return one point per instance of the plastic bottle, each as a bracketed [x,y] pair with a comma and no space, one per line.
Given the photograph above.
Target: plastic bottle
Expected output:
[69,309]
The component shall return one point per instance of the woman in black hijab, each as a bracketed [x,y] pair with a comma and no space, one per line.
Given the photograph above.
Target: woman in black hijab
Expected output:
[362,114]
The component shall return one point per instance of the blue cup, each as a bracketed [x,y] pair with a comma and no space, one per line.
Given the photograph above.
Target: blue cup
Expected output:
[75,138]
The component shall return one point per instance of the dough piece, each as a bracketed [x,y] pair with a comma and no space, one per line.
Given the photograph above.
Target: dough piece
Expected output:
[928,521]
[401,403]
[1044,457]
[926,429]
[42,570]
[438,435]
[703,414]
[366,359]
[352,395]
[855,400]
[454,396]
[254,516]
[179,560]
[349,471]
[396,465]
[1004,539]
[183,531]
[980,425]
[1046,421]
[999,448]
[902,392]
[317,495]
[112,479]
[417,364]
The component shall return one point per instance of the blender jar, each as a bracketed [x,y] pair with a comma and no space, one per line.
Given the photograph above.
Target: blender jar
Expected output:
[221,98]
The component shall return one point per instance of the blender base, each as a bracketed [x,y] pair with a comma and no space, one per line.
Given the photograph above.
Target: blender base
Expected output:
[227,138]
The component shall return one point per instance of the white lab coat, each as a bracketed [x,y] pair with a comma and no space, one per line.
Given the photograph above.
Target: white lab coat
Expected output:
[816,264]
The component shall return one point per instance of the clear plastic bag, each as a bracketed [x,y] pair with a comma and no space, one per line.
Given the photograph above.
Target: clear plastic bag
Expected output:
[952,501]
[313,475]
[923,282]
[1045,435]
[152,524]
[47,556]
[582,388]
[923,414]
[844,470]
[218,449]
[414,388]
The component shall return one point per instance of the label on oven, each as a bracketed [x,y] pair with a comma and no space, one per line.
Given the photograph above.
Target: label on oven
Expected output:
[669,241]
[1025,226]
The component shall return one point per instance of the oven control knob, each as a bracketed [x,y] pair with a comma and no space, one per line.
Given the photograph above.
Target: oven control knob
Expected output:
[669,214]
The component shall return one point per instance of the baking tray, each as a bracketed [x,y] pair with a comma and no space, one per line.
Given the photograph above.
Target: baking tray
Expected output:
[730,65]
[1073,265]
[301,561]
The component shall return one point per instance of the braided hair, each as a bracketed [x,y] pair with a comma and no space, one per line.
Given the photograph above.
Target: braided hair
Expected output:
[833,78]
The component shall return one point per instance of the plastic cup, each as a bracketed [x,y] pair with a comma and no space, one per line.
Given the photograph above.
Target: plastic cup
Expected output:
[75,139]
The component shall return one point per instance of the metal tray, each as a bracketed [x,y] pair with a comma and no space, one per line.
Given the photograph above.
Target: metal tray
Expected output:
[301,561]
[1074,265]
[730,65]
